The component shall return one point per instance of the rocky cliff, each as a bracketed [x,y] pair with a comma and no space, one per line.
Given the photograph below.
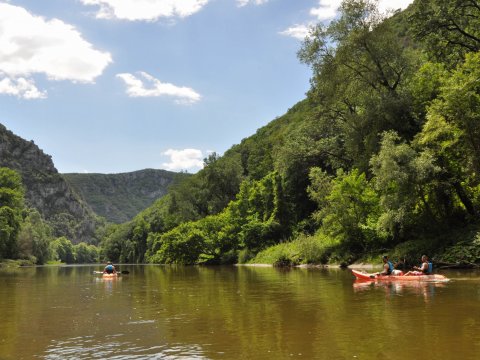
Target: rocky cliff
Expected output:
[46,189]
[119,197]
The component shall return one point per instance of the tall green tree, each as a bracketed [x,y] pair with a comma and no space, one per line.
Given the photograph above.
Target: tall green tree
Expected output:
[61,249]
[449,28]
[11,205]
[407,183]
[361,67]
[348,208]
[85,253]
[452,132]
[34,238]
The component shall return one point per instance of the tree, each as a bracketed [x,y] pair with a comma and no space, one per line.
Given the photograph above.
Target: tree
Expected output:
[349,208]
[34,238]
[450,29]
[182,245]
[61,249]
[85,254]
[407,182]
[361,67]
[11,205]
[452,133]
[223,177]
[113,246]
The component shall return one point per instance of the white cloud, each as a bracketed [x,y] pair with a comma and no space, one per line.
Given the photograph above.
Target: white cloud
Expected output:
[186,159]
[389,5]
[145,10]
[21,87]
[30,45]
[328,9]
[299,32]
[242,3]
[148,86]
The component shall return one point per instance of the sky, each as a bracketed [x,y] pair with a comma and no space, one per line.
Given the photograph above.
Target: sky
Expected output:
[111,86]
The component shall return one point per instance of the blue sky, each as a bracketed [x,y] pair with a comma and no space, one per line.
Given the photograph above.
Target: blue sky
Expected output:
[113,86]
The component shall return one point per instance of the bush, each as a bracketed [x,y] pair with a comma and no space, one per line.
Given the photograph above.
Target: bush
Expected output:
[315,249]
[278,255]
[411,251]
[465,252]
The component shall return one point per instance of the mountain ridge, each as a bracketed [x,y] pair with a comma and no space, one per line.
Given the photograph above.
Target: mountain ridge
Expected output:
[120,196]
[46,189]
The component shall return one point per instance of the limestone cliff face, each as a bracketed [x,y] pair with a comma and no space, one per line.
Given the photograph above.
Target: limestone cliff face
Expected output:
[119,197]
[46,189]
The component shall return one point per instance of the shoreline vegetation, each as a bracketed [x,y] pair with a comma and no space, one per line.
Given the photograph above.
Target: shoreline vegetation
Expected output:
[381,158]
[14,264]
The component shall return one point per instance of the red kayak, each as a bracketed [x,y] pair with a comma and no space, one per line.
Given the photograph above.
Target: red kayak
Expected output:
[375,277]
[110,276]
[107,275]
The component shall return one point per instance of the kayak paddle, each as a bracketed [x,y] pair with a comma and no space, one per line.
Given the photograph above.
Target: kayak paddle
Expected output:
[125,272]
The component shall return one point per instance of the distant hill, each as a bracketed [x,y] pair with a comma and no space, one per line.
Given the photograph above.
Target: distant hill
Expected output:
[46,189]
[119,197]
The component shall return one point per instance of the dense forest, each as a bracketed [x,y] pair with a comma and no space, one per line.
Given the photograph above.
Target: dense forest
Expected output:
[382,156]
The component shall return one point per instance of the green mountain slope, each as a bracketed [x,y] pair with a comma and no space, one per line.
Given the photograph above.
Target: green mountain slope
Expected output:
[119,197]
[46,189]
[383,153]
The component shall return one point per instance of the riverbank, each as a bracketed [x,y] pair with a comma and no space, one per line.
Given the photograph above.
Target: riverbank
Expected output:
[9,263]
[457,248]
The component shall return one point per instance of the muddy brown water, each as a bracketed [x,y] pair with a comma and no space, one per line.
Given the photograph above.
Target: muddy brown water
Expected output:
[163,312]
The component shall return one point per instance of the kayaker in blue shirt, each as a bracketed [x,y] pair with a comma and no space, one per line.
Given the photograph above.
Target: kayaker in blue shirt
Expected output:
[425,269]
[387,266]
[109,269]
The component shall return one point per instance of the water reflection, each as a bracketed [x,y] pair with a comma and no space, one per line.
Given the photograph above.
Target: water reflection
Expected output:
[160,312]
[399,288]
[109,284]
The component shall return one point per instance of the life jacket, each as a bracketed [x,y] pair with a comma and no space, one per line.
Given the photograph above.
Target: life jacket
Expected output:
[109,269]
[429,269]
[390,267]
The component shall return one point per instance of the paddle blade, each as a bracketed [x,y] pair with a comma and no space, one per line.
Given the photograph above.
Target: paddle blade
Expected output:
[125,272]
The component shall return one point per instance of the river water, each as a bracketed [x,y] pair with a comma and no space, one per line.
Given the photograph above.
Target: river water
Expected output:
[163,312]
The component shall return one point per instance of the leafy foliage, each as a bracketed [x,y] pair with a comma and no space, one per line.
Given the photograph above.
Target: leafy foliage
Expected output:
[11,206]
[61,249]
[449,29]
[383,153]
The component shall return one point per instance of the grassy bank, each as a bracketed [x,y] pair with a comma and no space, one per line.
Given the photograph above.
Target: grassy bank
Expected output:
[8,263]
[458,247]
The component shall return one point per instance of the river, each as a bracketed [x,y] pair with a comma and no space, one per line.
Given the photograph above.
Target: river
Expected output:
[165,312]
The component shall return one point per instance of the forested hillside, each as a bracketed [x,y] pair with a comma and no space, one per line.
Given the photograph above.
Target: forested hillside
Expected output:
[119,197]
[41,217]
[46,190]
[383,155]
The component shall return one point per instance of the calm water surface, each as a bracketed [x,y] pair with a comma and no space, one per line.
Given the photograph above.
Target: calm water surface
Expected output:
[159,312]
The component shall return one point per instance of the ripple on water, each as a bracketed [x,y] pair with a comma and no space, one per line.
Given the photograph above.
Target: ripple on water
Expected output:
[113,348]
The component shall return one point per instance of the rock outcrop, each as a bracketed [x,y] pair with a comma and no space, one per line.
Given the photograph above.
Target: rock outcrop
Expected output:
[46,189]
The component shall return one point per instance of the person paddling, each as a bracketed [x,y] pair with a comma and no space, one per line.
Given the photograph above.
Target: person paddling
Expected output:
[424,269]
[388,268]
[109,269]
